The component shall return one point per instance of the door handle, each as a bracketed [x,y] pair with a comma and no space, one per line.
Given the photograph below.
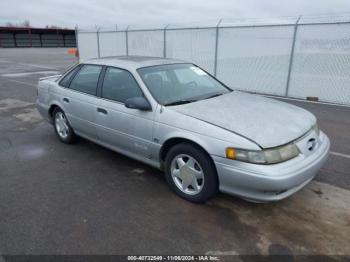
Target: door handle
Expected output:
[101,110]
[66,100]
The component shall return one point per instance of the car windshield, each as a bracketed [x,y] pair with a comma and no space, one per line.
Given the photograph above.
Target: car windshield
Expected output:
[175,84]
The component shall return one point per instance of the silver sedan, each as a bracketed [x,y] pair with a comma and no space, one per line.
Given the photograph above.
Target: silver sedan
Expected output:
[176,117]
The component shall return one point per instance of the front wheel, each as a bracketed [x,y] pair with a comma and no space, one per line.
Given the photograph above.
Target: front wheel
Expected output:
[191,173]
[62,127]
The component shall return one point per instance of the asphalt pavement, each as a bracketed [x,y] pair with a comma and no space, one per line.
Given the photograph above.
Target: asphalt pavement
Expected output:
[85,199]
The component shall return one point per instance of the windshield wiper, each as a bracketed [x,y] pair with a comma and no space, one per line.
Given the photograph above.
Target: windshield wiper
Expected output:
[180,102]
[215,95]
[187,101]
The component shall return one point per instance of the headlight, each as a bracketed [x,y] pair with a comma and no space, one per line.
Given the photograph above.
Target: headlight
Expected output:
[316,129]
[267,156]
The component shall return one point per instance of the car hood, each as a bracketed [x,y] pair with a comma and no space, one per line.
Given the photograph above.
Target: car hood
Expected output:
[265,121]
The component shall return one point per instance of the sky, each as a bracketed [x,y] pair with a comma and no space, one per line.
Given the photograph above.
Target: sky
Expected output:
[108,13]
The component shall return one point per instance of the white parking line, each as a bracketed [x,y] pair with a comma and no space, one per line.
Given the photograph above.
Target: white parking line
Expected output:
[340,154]
[23,83]
[31,73]
[38,66]
[26,64]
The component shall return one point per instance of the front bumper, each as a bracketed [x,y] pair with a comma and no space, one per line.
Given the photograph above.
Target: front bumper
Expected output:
[264,183]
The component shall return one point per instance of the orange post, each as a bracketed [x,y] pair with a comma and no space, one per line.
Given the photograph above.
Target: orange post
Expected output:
[72,51]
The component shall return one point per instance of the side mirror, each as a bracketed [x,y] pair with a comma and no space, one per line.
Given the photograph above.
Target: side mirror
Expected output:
[140,103]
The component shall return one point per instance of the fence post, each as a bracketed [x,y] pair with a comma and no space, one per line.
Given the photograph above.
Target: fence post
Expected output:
[30,37]
[14,39]
[98,42]
[164,38]
[292,55]
[57,38]
[76,40]
[216,46]
[40,40]
[127,40]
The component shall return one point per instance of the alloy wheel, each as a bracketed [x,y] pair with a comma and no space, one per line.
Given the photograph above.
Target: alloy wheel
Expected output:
[187,174]
[61,125]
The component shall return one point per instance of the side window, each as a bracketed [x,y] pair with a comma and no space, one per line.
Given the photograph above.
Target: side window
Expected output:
[86,79]
[119,85]
[66,80]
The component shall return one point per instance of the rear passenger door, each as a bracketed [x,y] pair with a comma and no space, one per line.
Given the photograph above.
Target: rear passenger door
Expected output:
[123,128]
[80,100]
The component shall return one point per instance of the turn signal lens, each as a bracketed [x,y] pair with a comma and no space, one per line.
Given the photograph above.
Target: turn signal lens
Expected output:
[265,156]
[230,153]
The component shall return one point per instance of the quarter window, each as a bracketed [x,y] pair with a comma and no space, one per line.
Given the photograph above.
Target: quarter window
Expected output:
[66,80]
[86,79]
[120,85]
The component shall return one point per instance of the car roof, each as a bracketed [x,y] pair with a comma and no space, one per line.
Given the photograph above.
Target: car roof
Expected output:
[133,62]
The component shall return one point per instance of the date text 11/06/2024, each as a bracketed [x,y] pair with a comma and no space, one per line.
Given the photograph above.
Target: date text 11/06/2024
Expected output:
[173,258]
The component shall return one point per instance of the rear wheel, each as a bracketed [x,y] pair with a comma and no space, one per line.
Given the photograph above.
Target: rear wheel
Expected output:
[62,127]
[190,173]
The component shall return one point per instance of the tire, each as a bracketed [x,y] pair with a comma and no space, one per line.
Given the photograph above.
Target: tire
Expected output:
[63,130]
[191,173]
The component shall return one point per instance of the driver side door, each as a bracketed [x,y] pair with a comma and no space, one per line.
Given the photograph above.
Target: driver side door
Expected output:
[124,129]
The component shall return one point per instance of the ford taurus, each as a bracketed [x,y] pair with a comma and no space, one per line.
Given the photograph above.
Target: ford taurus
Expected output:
[176,117]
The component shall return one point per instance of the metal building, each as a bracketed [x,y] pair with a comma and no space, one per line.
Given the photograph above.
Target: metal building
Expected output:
[36,37]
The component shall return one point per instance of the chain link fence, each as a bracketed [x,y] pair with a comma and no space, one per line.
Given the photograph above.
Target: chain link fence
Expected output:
[296,57]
